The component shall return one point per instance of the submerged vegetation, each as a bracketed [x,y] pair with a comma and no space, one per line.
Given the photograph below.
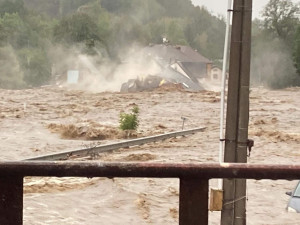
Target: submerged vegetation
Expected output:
[32,31]
[130,121]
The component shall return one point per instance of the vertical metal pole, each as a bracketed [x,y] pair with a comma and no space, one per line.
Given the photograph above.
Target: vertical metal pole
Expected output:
[11,200]
[193,202]
[224,66]
[234,201]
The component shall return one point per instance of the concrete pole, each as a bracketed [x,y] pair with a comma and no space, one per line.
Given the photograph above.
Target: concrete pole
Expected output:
[236,135]
[241,153]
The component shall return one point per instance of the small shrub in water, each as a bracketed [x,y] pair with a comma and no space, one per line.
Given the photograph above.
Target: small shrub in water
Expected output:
[129,121]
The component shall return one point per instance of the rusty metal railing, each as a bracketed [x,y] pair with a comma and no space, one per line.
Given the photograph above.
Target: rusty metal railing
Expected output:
[193,200]
[113,146]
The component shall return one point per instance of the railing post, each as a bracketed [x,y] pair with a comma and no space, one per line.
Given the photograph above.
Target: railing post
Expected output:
[193,202]
[11,200]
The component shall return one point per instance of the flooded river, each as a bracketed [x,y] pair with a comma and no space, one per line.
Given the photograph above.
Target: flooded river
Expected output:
[51,119]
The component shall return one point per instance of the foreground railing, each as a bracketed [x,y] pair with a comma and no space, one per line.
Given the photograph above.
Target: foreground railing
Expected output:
[193,200]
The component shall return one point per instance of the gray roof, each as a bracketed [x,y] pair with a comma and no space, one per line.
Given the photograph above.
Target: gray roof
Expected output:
[172,75]
[194,69]
[169,53]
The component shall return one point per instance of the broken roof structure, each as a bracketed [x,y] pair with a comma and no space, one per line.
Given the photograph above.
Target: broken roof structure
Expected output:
[189,60]
[179,64]
[179,53]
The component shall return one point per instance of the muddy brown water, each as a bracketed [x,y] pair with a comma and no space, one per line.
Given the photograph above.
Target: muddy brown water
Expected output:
[26,131]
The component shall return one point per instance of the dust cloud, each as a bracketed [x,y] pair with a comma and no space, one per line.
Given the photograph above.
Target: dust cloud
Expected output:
[272,65]
[99,73]
[11,75]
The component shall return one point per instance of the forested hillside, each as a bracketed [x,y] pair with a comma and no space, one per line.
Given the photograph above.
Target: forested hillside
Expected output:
[31,30]
[35,35]
[121,22]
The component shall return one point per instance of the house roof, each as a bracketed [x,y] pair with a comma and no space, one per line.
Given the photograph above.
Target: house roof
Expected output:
[170,53]
[194,70]
[172,75]
[193,54]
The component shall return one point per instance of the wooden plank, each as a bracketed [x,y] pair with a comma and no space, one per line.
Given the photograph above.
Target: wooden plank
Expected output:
[215,200]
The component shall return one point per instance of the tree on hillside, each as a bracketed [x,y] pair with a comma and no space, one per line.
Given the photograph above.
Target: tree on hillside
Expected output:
[205,33]
[24,37]
[296,54]
[56,8]
[174,32]
[280,18]
[10,72]
[76,28]
[36,66]
[116,6]
[11,6]
[11,26]
[177,8]
[273,43]
[141,11]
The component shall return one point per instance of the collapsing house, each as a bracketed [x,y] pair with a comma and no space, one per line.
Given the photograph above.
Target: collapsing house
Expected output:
[178,64]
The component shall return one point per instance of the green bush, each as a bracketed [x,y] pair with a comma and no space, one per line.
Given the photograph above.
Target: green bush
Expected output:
[129,121]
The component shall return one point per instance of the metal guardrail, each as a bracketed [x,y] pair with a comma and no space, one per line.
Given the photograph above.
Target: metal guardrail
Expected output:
[110,147]
[193,194]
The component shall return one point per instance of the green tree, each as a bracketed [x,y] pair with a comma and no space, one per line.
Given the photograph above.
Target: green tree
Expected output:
[116,6]
[11,76]
[11,25]
[36,66]
[157,30]
[296,55]
[78,27]
[101,18]
[175,32]
[176,8]
[205,33]
[280,18]
[273,45]
[271,61]
[11,6]
[129,121]
[56,8]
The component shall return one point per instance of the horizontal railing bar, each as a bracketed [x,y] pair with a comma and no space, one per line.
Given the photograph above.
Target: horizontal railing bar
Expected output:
[113,146]
[158,170]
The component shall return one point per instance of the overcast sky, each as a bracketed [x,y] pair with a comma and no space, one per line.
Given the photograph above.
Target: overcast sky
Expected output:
[220,6]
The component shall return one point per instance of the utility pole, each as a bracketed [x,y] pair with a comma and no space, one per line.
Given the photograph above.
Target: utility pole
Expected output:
[237,119]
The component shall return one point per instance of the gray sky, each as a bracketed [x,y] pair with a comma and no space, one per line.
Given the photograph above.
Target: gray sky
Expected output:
[220,6]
